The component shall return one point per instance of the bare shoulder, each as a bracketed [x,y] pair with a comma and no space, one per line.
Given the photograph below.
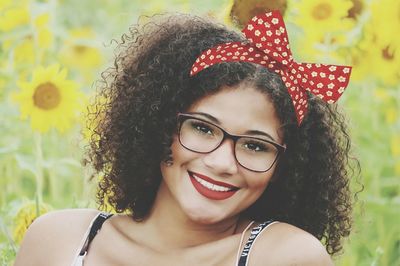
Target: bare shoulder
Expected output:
[285,244]
[54,237]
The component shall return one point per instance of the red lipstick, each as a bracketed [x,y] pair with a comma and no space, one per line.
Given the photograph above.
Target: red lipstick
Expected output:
[212,194]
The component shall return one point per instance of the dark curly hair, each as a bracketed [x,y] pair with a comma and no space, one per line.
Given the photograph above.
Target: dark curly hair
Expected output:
[150,83]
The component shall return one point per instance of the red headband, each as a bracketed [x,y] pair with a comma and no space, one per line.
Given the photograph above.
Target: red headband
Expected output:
[268,45]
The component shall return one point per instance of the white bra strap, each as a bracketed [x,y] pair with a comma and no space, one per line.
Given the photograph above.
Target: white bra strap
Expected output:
[77,258]
[241,242]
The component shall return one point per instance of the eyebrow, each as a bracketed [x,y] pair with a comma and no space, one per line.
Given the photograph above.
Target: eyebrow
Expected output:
[248,132]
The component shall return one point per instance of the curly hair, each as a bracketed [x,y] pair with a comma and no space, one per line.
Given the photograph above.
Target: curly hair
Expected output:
[150,83]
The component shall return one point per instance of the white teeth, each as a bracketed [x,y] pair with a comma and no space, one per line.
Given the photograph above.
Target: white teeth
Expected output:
[210,186]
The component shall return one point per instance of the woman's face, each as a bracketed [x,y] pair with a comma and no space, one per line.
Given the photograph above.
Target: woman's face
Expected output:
[196,183]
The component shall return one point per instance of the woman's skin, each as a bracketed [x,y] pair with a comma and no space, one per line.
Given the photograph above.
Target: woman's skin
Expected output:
[184,227]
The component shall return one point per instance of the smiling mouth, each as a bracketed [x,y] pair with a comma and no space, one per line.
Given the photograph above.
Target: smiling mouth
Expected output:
[210,188]
[210,185]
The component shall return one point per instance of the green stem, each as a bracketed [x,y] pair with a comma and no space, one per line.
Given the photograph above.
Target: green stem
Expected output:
[39,167]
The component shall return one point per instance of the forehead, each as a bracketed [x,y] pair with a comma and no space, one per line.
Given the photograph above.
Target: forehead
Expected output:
[239,109]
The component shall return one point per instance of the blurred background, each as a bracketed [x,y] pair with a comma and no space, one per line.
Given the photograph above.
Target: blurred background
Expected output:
[53,52]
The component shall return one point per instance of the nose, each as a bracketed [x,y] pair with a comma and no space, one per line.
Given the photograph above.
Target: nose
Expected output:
[222,160]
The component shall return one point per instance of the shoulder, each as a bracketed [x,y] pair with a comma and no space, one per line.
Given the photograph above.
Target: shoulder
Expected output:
[285,244]
[54,236]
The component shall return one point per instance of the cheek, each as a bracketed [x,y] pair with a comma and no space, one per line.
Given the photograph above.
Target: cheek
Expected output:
[260,180]
[181,155]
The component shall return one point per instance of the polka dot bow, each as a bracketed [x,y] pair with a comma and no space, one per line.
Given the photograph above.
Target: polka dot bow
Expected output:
[268,45]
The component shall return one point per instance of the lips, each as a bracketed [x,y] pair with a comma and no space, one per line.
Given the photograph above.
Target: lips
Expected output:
[220,190]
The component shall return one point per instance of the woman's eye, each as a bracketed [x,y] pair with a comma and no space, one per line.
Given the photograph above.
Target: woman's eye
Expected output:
[202,128]
[255,146]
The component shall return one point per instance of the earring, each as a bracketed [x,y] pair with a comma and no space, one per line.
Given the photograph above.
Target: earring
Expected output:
[169,162]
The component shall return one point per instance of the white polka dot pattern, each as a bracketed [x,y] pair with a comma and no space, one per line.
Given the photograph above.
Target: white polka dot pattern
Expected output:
[268,45]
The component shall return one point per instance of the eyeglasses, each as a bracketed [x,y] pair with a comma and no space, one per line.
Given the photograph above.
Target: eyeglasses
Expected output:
[254,154]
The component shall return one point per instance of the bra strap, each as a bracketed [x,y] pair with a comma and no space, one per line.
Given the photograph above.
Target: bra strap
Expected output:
[94,229]
[255,232]
[241,241]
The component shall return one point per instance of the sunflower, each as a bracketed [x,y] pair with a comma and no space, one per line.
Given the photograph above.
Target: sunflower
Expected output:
[386,64]
[385,21]
[78,48]
[50,100]
[25,216]
[323,15]
[376,63]
[25,50]
[241,11]
[360,60]
[383,61]
[373,60]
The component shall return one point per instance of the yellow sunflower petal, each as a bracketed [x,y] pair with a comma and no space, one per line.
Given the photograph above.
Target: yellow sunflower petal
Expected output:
[45,38]
[395,146]
[42,20]
[24,52]
[5,4]
[13,18]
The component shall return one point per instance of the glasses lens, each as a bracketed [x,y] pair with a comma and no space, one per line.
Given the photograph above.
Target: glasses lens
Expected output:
[255,154]
[199,136]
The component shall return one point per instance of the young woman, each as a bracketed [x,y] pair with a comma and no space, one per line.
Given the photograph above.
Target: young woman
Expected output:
[208,162]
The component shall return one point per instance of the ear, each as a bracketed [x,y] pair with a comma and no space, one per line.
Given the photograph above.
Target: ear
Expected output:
[168,162]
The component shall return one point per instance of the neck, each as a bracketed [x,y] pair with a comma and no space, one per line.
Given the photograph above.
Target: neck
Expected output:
[173,229]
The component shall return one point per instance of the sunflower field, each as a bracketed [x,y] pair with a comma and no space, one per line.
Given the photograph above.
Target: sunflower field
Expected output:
[52,54]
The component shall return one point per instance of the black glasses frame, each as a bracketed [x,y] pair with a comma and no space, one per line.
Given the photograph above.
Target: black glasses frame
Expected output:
[184,116]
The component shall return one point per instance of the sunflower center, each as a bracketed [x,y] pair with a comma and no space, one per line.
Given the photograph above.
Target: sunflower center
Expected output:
[47,96]
[80,49]
[243,10]
[356,10]
[322,11]
[387,55]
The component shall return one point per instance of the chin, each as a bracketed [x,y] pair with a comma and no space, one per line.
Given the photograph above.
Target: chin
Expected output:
[204,220]
[203,216]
